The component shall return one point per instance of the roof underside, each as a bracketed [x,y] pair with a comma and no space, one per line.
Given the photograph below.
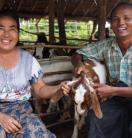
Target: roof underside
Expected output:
[73,9]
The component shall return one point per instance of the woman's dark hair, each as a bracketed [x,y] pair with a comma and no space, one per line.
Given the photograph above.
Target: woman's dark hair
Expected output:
[12,14]
[121,4]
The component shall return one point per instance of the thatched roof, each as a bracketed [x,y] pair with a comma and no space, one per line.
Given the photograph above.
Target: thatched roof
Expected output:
[73,9]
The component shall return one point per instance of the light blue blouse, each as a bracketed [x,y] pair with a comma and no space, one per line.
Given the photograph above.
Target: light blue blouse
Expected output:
[15,83]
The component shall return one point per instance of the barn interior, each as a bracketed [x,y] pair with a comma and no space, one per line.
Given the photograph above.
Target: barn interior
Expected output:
[59,68]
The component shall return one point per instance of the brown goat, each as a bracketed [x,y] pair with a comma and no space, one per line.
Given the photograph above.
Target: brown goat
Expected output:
[85,96]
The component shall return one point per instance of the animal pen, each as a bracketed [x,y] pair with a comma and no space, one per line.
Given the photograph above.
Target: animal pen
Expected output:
[59,68]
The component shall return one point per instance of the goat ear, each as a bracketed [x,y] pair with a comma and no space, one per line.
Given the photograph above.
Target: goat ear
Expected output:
[96,105]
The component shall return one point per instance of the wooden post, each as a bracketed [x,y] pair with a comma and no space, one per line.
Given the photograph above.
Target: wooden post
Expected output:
[51,21]
[36,24]
[102,4]
[61,24]
[93,30]
[2,2]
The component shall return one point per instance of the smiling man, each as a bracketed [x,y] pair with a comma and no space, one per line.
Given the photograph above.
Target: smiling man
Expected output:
[116,52]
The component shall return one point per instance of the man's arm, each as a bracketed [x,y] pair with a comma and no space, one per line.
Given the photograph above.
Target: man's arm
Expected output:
[123,91]
[105,91]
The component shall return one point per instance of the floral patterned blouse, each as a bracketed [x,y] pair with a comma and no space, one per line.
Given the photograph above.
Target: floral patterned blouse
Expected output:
[15,83]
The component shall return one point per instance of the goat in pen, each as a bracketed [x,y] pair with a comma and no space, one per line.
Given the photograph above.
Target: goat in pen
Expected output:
[84,94]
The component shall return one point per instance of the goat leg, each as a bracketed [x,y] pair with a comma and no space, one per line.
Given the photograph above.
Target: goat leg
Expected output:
[76,124]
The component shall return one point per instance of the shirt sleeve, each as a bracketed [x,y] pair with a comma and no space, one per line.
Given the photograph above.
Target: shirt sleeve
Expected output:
[37,72]
[95,50]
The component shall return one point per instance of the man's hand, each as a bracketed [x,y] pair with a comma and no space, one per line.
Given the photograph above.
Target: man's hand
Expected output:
[103,90]
[9,124]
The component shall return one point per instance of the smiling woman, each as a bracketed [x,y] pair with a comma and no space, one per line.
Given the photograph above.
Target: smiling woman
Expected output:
[8,40]
[20,73]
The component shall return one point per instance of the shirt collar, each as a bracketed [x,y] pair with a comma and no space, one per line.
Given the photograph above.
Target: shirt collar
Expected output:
[116,46]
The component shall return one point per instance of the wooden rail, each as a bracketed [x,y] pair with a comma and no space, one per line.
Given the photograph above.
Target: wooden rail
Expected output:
[50,46]
[59,123]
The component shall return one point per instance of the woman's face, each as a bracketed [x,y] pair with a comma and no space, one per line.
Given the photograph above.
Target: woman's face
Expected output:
[8,33]
[122,22]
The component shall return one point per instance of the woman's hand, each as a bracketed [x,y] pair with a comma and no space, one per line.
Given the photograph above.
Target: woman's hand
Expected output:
[66,89]
[104,91]
[9,124]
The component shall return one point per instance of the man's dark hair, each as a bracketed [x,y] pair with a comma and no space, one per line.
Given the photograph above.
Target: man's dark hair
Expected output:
[121,4]
[12,14]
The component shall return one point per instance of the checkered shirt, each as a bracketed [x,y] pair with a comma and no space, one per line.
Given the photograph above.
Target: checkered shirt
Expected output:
[119,65]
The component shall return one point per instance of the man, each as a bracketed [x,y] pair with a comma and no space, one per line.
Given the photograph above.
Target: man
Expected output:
[117,55]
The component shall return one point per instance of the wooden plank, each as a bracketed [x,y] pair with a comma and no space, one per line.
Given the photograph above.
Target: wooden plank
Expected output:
[50,46]
[42,115]
[59,123]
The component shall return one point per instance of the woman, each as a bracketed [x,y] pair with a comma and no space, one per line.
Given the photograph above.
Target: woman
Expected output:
[19,73]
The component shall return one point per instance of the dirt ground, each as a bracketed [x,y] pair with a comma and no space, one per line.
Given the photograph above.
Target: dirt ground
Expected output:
[65,130]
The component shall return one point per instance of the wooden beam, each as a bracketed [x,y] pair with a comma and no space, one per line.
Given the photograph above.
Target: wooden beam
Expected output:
[32,15]
[102,4]
[51,21]
[19,5]
[34,5]
[61,24]
[78,7]
[50,46]
[66,5]
[92,4]
[109,13]
[2,2]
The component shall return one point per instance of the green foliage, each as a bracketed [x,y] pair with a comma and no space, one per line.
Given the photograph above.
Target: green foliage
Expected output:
[78,30]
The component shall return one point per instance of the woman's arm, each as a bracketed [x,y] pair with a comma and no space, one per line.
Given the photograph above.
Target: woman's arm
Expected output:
[46,91]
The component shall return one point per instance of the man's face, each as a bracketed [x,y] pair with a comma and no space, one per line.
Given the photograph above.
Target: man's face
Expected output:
[122,22]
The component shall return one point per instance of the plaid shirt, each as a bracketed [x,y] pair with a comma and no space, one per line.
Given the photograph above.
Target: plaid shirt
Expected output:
[119,66]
